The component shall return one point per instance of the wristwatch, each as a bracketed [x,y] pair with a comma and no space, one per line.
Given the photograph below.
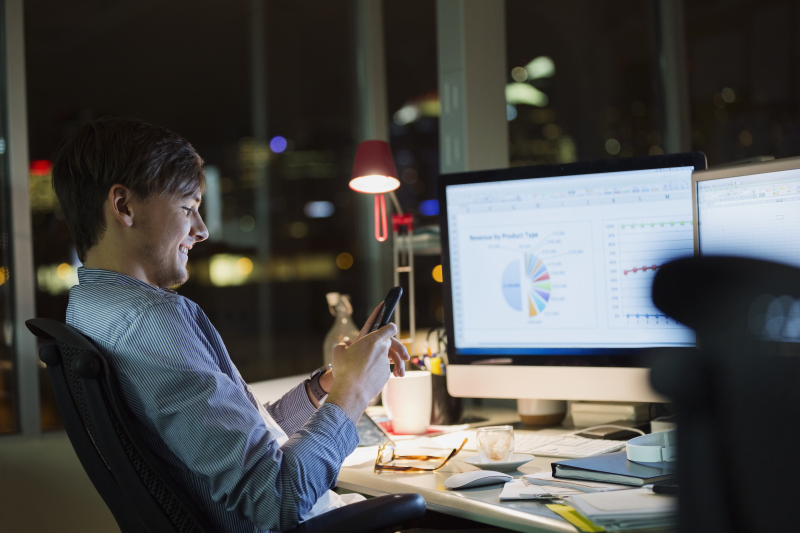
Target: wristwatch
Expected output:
[313,383]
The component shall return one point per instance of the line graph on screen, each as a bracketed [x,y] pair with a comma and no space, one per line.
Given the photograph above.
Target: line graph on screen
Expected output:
[634,251]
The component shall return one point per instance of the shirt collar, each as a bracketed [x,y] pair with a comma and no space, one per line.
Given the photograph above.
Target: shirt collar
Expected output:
[89,276]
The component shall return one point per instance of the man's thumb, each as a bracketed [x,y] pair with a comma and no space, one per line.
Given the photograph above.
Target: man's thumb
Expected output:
[339,348]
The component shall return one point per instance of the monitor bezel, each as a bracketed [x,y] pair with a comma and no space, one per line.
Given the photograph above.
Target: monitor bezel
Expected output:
[611,357]
[732,171]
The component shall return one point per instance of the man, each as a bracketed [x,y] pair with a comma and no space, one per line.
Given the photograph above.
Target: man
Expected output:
[130,193]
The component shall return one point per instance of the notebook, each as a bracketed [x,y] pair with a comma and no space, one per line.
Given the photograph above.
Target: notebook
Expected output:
[614,468]
[628,509]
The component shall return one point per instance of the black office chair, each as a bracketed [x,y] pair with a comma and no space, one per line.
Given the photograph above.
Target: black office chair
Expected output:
[131,480]
[737,398]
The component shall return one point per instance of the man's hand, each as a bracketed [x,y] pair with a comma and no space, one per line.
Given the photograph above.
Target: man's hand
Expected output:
[397,353]
[361,369]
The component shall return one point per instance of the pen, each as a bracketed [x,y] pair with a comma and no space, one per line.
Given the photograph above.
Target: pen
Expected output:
[542,496]
[663,488]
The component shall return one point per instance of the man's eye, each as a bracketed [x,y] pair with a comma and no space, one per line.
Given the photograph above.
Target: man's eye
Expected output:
[188,211]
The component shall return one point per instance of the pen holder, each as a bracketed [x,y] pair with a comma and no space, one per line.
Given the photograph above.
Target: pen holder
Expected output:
[445,409]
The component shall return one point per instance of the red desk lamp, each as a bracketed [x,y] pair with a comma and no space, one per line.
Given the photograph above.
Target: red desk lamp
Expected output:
[374,173]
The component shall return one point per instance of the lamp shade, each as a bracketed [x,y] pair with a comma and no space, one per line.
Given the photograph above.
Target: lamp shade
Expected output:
[374,171]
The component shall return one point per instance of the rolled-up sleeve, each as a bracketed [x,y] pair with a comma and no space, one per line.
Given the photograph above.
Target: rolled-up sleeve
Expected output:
[292,410]
[173,383]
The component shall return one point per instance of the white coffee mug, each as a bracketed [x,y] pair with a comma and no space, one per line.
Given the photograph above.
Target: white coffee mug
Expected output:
[408,402]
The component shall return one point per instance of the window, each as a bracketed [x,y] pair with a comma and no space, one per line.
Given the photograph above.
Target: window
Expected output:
[743,71]
[8,394]
[581,81]
[412,83]
[275,249]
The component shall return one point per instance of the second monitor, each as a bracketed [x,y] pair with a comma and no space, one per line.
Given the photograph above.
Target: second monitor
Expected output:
[750,211]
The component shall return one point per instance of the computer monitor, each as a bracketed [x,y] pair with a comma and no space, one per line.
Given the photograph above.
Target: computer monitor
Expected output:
[749,210]
[547,273]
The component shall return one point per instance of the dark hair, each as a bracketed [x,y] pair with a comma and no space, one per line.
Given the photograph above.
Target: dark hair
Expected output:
[144,158]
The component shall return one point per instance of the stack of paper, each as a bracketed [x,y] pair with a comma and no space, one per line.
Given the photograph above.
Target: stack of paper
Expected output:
[543,486]
[519,489]
[621,510]
[546,479]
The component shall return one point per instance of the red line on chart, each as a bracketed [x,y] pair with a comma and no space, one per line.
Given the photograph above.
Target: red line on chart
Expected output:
[643,269]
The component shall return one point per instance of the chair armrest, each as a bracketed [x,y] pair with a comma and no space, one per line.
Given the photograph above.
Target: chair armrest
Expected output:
[369,516]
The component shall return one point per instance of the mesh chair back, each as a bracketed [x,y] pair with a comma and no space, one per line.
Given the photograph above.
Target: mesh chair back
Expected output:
[736,397]
[141,488]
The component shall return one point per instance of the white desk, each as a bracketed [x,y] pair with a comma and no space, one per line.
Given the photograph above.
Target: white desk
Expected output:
[481,504]
[273,389]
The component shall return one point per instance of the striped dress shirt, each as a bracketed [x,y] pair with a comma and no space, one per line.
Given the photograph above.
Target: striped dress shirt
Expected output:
[197,414]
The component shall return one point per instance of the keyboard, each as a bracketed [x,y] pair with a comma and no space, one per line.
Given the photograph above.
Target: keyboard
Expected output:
[570,447]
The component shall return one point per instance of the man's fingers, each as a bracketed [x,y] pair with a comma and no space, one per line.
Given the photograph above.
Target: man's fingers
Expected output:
[401,349]
[386,332]
[370,321]
[399,363]
[342,346]
[379,342]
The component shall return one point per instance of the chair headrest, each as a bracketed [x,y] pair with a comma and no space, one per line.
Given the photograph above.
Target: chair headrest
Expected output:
[48,329]
[717,294]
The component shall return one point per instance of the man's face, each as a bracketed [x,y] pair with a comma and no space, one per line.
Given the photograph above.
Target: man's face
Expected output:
[168,227]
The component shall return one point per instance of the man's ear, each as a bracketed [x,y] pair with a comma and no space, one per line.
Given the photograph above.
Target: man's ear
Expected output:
[120,204]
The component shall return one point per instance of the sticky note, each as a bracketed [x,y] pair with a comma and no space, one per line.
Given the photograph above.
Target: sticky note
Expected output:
[573,517]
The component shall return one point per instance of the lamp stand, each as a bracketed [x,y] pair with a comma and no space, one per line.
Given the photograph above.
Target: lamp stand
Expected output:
[403,259]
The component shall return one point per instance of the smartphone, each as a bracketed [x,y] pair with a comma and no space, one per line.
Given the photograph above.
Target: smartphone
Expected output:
[389,303]
[370,433]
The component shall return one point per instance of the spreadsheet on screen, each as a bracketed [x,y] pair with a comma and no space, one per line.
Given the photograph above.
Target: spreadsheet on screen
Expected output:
[754,216]
[567,261]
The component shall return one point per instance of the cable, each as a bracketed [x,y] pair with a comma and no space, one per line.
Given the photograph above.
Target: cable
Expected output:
[639,431]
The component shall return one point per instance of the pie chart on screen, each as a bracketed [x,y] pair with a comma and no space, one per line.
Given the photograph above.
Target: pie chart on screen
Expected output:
[512,285]
[529,293]
[539,289]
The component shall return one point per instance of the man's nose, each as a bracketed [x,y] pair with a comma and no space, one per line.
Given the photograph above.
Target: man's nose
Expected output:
[199,230]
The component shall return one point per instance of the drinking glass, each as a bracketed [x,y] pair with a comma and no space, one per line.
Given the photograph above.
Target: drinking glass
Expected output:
[495,444]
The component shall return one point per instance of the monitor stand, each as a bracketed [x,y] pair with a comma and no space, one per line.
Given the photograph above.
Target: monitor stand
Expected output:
[539,413]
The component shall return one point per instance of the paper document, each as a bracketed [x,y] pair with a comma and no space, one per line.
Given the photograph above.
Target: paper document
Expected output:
[427,443]
[415,446]
[546,478]
[519,489]
[454,440]
[627,509]
[575,518]
[432,431]
[361,455]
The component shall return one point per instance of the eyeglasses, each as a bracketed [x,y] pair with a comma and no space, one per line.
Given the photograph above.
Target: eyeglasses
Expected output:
[386,455]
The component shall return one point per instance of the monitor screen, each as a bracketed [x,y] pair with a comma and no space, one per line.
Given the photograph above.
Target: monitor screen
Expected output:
[756,215]
[564,265]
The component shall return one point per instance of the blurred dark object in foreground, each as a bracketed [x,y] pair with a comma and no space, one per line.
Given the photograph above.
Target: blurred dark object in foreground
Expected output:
[737,398]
